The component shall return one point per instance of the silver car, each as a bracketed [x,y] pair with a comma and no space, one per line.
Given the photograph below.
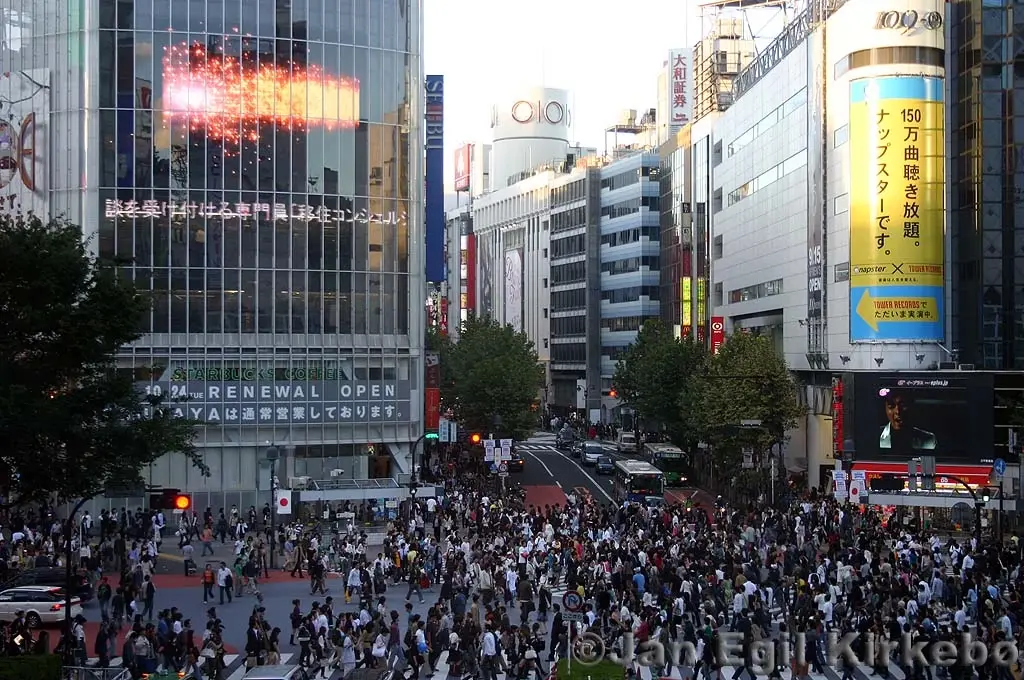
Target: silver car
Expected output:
[42,605]
[592,451]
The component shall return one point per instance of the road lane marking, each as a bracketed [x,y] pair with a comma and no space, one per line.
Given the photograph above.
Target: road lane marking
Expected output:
[597,485]
[558,483]
[542,464]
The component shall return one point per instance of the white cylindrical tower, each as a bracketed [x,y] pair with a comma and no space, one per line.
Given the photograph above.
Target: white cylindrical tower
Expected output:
[530,127]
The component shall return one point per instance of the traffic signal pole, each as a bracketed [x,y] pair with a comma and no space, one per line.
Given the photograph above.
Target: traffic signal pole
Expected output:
[70,644]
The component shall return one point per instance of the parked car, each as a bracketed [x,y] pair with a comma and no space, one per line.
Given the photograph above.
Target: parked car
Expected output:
[43,605]
[605,465]
[592,451]
[625,442]
[516,464]
[54,577]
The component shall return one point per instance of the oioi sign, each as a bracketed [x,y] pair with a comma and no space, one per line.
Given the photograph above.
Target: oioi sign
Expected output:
[551,113]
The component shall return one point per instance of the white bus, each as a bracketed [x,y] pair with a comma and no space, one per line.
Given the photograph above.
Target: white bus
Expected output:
[638,482]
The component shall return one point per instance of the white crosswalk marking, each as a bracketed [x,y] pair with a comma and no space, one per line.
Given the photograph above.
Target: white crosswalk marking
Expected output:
[118,662]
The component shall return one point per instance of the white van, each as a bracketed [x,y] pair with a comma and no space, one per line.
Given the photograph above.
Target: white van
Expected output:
[625,442]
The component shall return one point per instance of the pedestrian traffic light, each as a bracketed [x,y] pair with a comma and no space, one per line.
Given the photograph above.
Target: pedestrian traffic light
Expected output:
[474,438]
[430,435]
[613,394]
[182,502]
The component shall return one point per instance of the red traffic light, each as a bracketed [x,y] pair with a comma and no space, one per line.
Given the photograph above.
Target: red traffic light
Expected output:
[182,502]
[613,394]
[474,438]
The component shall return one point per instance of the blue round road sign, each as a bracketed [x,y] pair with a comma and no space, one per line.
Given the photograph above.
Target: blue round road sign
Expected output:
[572,602]
[999,466]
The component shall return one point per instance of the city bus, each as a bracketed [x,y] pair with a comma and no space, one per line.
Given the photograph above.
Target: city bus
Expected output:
[638,482]
[671,460]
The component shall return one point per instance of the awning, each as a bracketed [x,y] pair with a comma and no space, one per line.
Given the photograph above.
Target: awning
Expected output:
[975,475]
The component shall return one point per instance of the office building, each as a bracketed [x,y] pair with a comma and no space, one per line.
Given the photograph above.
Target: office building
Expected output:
[986,195]
[260,163]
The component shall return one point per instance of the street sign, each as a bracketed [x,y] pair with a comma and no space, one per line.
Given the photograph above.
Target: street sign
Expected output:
[574,617]
[442,430]
[999,466]
[506,449]
[503,467]
[750,423]
[488,450]
[572,602]
[856,491]
[748,457]
[503,474]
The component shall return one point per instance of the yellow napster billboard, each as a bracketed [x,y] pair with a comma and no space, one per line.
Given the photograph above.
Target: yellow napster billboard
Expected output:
[897,209]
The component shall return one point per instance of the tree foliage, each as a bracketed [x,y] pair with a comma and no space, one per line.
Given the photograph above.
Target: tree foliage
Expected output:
[71,424]
[656,376]
[491,371]
[747,380]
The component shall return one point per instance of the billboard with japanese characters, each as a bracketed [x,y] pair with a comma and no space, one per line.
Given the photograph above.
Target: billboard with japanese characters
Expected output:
[897,209]
[265,401]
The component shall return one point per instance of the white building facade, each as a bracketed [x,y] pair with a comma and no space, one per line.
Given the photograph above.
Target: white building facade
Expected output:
[780,206]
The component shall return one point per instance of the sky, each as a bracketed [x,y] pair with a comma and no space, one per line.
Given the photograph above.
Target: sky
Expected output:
[607,53]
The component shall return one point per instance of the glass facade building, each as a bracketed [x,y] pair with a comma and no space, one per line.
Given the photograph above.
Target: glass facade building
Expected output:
[259,164]
[986,112]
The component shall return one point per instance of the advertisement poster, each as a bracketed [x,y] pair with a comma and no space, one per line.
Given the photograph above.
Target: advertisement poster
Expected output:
[896,416]
[24,131]
[686,305]
[486,258]
[897,212]
[463,163]
[435,222]
[514,289]
[817,247]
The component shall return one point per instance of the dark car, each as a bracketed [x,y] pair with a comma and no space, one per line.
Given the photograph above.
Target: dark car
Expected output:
[52,576]
[605,465]
[516,464]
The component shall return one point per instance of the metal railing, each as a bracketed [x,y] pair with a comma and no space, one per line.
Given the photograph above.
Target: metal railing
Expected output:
[94,673]
[331,484]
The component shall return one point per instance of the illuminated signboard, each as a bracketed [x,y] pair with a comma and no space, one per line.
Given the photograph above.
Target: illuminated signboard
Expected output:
[277,212]
[227,98]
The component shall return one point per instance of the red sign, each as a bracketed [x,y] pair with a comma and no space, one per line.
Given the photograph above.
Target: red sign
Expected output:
[717,333]
[442,325]
[432,408]
[975,475]
[463,166]
[837,418]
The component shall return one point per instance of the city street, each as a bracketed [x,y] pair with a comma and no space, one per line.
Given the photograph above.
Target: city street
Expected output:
[549,474]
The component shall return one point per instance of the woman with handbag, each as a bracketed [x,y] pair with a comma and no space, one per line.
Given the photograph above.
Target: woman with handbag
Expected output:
[379,650]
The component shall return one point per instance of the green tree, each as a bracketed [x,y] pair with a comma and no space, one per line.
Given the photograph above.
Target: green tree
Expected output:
[72,425]
[747,380]
[491,371]
[656,377]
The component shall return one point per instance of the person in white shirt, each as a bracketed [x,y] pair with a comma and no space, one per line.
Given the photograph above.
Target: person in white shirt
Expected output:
[224,582]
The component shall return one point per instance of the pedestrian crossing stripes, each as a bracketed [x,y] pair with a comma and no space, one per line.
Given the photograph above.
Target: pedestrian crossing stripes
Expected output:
[118,662]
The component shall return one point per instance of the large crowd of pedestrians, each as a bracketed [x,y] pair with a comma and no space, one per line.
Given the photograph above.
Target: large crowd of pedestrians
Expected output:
[493,572]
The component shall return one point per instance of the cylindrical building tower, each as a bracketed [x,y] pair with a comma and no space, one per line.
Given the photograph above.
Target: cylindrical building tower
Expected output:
[530,127]
[259,162]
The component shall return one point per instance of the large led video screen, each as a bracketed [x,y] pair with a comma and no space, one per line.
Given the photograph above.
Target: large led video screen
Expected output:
[899,416]
[228,98]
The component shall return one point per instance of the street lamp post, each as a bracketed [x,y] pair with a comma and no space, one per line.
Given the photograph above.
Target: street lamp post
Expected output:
[273,454]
